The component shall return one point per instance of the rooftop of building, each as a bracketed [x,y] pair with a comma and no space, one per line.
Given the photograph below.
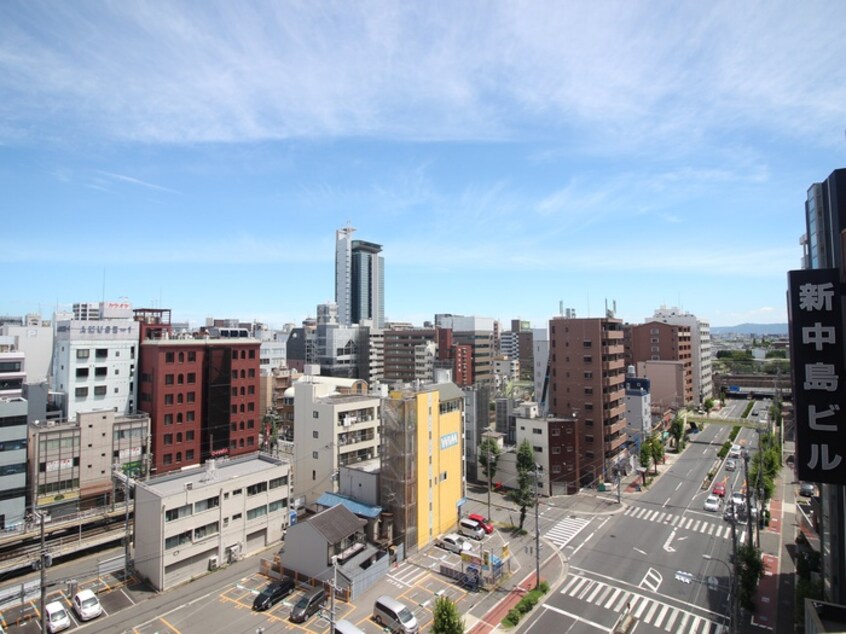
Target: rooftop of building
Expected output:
[211,474]
[336,523]
[176,342]
[329,499]
[370,466]
[448,391]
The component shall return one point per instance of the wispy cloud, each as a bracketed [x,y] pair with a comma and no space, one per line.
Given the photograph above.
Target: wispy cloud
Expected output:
[136,181]
[615,75]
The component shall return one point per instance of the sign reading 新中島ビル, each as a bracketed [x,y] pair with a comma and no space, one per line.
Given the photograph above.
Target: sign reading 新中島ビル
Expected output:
[816,328]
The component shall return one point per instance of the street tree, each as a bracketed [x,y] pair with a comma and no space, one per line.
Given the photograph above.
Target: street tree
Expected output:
[708,405]
[489,447]
[447,619]
[645,454]
[677,430]
[524,494]
[657,451]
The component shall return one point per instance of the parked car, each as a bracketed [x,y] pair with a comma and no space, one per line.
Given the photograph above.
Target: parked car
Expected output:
[731,464]
[454,543]
[274,593]
[719,489]
[308,604]
[483,522]
[58,618]
[808,489]
[87,605]
[712,503]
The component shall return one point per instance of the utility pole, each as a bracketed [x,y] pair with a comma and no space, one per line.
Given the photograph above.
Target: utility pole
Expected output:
[733,578]
[748,498]
[537,526]
[619,481]
[332,593]
[126,519]
[488,446]
[43,561]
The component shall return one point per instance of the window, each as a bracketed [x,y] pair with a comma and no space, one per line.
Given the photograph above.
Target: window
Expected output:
[243,354]
[588,374]
[240,442]
[234,391]
[259,511]
[315,434]
[587,358]
[190,397]
[251,407]
[179,418]
[179,398]
[192,377]
[168,419]
[167,459]
[258,487]
[102,353]
[192,357]
[189,455]
[275,483]
[168,379]
[250,441]
[179,437]
[189,435]
[236,517]
[588,390]
[189,416]
[83,353]
[556,468]
[251,373]
[82,373]
[208,503]
[555,431]
[314,455]
[178,540]
[168,400]
[81,392]
[177,513]
[278,505]
[314,414]
[101,371]
[241,425]
[180,379]
[251,389]
[234,426]
[536,430]
[168,357]
[538,449]
[556,450]
[168,439]
[181,357]
[208,530]
[588,438]
[251,424]
[100,390]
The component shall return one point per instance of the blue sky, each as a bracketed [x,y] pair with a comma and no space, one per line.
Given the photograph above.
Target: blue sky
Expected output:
[200,156]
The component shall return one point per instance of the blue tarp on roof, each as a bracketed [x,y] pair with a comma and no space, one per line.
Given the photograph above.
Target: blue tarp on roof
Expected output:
[364,510]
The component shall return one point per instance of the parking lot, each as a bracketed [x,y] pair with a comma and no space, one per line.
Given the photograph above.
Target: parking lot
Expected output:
[416,582]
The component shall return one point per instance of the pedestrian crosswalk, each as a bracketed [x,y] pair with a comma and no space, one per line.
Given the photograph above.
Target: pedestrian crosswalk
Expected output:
[656,613]
[704,526]
[565,530]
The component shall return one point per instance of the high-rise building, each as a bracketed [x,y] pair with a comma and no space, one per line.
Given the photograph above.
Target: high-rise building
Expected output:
[700,343]
[586,381]
[825,223]
[359,280]
[659,341]
[480,333]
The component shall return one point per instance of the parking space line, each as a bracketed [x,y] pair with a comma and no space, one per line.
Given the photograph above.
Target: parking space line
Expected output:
[163,620]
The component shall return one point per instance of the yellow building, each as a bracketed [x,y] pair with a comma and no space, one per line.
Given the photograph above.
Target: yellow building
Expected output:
[422,474]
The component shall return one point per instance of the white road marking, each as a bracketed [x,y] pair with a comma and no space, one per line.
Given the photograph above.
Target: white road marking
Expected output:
[577,618]
[664,505]
[678,486]
[642,552]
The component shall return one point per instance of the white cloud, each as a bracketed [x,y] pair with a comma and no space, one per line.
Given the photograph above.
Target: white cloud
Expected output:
[617,75]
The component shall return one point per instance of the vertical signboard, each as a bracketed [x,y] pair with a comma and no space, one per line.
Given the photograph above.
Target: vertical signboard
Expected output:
[816,345]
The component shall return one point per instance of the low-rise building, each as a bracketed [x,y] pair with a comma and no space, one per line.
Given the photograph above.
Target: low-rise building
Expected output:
[192,521]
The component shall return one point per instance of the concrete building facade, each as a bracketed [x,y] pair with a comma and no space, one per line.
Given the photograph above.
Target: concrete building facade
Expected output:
[13,460]
[700,343]
[659,341]
[193,521]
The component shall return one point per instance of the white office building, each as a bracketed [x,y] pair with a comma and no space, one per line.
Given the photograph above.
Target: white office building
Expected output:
[700,343]
[196,520]
[94,362]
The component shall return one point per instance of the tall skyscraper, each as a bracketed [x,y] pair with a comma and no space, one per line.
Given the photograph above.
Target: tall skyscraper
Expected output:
[359,280]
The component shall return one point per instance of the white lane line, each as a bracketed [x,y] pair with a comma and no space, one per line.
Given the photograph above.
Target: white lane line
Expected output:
[664,505]
[678,486]
[642,552]
[577,618]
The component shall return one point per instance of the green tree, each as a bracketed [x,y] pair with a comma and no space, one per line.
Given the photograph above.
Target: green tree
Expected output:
[708,405]
[657,451]
[524,494]
[489,447]
[677,430]
[750,568]
[646,454]
[447,619]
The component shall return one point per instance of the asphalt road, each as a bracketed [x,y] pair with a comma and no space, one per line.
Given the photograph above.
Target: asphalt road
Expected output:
[649,558]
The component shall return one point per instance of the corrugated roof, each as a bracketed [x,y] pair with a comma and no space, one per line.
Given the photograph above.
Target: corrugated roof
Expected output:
[336,523]
[359,508]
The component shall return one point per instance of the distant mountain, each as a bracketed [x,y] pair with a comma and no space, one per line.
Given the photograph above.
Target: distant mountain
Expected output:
[750,329]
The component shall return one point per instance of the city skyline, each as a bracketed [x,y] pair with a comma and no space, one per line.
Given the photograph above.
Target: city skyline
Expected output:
[506,159]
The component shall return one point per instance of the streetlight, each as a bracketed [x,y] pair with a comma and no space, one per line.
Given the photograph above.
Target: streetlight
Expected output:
[731,594]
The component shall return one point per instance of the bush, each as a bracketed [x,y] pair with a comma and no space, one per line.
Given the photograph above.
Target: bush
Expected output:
[723,452]
[512,618]
[734,432]
[543,586]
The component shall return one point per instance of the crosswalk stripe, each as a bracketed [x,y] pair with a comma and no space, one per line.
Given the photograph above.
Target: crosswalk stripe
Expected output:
[694,626]
[593,594]
[675,521]
[582,582]
[684,620]
[661,614]
[711,528]
[622,602]
[566,588]
[641,607]
[604,595]
[613,598]
[668,626]
[641,513]
[585,590]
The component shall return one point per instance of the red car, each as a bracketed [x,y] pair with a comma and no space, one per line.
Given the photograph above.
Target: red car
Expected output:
[483,521]
[719,489]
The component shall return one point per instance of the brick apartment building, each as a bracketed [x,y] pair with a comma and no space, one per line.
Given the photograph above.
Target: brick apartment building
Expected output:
[658,341]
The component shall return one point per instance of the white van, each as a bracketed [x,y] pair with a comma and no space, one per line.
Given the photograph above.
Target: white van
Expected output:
[390,613]
[471,528]
[345,627]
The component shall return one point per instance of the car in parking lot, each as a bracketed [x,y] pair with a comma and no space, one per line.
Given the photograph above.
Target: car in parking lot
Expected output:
[719,489]
[731,464]
[87,605]
[58,618]
[307,605]
[274,593]
[454,543]
[483,521]
[808,489]
[712,503]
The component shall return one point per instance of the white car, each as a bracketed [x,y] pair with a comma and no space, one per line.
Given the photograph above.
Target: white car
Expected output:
[738,499]
[712,503]
[58,618]
[87,605]
[735,450]
[455,543]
